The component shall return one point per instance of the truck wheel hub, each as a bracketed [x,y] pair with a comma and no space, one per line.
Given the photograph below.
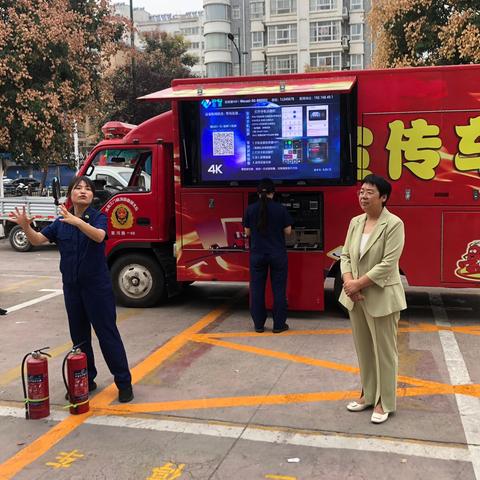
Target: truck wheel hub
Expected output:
[21,238]
[135,281]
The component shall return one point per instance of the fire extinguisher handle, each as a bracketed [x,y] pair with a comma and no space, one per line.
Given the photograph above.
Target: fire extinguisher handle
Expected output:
[42,351]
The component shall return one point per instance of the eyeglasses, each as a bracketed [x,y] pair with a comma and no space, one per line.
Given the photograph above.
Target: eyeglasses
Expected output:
[366,193]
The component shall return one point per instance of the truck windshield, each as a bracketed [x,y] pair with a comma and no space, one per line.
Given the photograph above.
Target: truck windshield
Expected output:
[120,170]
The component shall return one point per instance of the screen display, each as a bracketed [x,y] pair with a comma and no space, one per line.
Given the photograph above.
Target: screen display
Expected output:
[246,139]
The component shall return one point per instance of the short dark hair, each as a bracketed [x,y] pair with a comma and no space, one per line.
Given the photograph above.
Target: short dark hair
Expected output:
[266,185]
[384,187]
[76,180]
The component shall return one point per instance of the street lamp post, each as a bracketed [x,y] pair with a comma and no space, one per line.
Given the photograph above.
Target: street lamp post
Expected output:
[232,39]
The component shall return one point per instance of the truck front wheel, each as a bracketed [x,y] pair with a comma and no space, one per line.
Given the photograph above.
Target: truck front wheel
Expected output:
[18,239]
[138,281]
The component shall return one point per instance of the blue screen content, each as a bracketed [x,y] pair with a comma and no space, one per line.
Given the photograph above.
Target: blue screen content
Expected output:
[285,138]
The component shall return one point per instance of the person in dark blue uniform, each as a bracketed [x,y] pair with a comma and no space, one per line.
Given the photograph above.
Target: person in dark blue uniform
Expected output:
[89,300]
[267,222]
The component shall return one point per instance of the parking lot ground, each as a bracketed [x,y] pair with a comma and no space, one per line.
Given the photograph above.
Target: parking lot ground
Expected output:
[215,400]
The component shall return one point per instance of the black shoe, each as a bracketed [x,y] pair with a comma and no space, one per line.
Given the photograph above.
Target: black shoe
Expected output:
[3,311]
[281,329]
[259,330]
[125,394]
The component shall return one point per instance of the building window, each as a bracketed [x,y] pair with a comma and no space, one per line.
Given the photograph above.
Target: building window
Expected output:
[277,7]
[217,12]
[257,39]
[356,31]
[236,13]
[195,45]
[257,9]
[282,34]
[258,68]
[321,5]
[282,64]
[356,4]
[217,41]
[356,62]
[190,30]
[325,60]
[324,31]
[219,69]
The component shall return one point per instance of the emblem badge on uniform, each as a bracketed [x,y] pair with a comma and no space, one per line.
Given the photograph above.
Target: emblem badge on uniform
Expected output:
[122,217]
[468,267]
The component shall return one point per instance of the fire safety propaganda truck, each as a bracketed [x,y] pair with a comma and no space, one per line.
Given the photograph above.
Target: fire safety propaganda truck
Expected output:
[192,172]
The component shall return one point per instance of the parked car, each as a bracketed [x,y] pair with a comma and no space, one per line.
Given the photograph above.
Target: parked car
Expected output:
[21,186]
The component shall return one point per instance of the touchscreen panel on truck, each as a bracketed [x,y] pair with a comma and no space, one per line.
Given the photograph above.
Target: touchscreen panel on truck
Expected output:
[288,139]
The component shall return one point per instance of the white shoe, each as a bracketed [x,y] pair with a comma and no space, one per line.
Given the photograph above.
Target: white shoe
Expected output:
[357,407]
[379,417]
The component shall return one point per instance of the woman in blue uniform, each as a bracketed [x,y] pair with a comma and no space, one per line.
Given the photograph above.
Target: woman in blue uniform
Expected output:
[80,235]
[267,222]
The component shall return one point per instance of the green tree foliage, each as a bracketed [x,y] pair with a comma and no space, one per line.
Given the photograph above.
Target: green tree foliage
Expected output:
[425,32]
[163,59]
[52,55]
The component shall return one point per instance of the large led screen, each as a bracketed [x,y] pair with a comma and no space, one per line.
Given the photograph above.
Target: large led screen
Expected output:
[246,139]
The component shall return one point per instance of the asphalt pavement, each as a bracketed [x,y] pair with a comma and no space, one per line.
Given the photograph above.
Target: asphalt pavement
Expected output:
[215,400]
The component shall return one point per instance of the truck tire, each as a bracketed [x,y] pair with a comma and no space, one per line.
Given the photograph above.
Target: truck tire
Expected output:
[18,239]
[138,281]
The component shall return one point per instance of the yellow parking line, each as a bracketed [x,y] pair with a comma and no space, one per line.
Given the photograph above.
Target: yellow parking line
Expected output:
[308,360]
[278,399]
[15,286]
[223,402]
[43,444]
[421,328]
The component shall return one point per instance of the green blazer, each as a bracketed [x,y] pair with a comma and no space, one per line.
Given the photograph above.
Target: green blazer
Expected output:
[379,262]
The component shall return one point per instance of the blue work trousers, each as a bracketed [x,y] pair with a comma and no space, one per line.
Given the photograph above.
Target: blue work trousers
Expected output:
[260,265]
[93,304]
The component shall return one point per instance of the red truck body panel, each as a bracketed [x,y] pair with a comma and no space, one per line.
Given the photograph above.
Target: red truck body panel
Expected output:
[418,127]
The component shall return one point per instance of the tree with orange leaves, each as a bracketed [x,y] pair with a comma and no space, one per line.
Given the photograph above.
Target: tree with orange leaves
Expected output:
[52,55]
[425,32]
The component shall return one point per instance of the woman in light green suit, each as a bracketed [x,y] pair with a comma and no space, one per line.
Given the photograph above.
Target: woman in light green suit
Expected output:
[374,295]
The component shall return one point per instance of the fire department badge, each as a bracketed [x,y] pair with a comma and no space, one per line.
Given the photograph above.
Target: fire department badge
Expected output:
[468,267]
[122,217]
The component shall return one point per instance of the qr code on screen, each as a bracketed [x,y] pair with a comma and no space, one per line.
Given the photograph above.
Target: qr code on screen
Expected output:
[223,144]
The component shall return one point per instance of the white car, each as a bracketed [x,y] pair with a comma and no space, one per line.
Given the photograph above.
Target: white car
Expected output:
[118,177]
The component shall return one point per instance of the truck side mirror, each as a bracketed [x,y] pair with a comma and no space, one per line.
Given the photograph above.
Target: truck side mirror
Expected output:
[56,190]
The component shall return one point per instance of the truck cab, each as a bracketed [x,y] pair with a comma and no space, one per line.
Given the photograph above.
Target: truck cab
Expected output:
[132,170]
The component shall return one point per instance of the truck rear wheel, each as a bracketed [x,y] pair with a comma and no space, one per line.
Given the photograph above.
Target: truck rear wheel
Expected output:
[138,281]
[18,239]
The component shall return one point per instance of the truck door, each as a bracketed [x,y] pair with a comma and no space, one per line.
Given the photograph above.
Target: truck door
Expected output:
[125,190]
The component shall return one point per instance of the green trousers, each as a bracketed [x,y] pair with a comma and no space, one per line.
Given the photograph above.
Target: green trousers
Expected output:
[376,345]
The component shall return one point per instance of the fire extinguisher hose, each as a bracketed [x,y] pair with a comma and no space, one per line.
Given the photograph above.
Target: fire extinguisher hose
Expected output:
[27,400]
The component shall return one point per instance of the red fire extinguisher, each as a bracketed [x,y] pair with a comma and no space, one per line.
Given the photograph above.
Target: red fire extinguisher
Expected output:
[36,392]
[77,384]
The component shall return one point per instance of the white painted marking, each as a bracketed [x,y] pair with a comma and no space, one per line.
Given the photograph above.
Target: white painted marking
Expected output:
[27,275]
[343,442]
[468,406]
[54,293]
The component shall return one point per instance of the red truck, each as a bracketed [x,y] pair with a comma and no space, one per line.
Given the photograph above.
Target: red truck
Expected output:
[194,171]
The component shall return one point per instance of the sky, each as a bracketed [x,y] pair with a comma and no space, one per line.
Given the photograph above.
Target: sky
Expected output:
[165,6]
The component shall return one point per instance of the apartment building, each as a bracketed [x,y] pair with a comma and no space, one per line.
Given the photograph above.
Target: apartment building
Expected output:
[189,24]
[285,36]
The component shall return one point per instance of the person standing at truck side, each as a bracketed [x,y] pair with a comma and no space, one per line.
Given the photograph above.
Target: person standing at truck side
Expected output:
[267,222]
[80,235]
[374,295]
